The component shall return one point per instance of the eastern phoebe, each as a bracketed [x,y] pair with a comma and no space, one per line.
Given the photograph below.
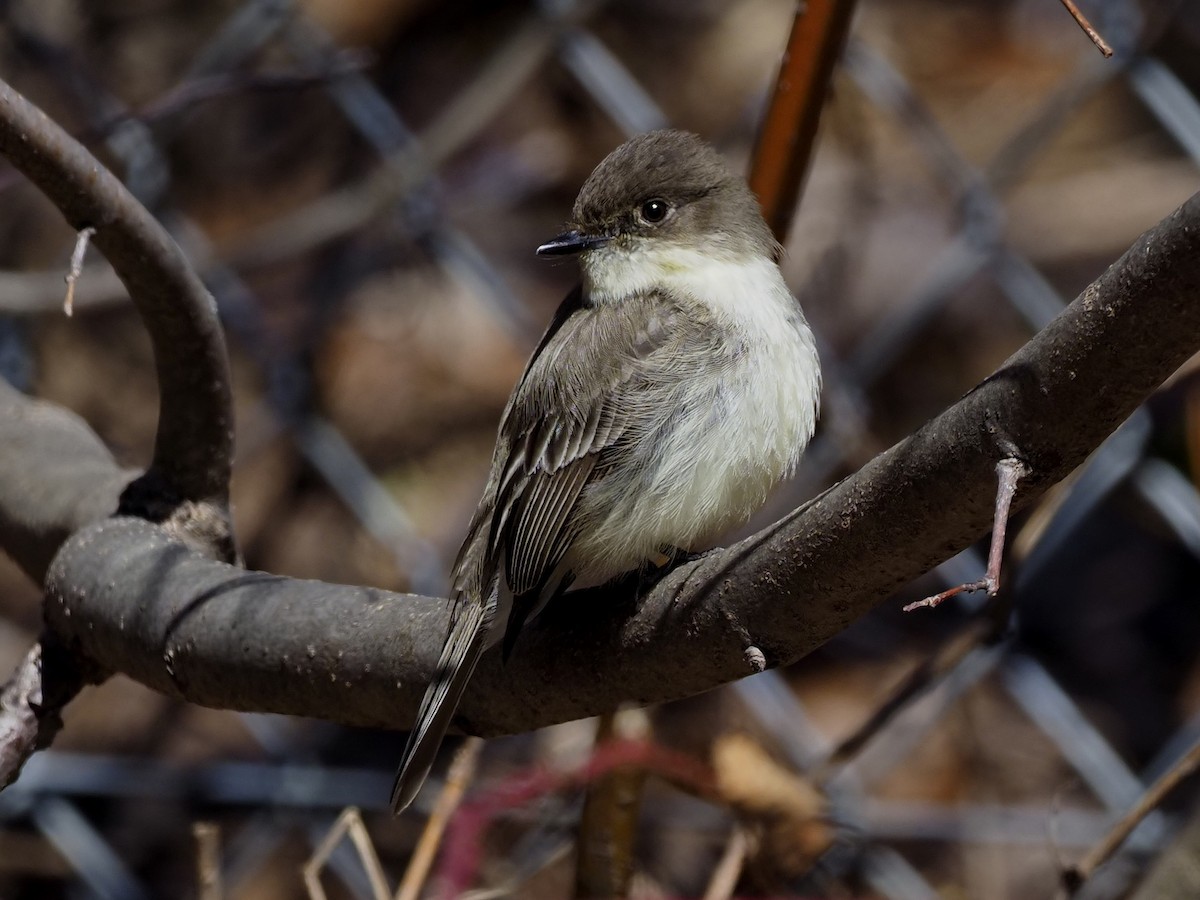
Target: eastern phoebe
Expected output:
[672,391]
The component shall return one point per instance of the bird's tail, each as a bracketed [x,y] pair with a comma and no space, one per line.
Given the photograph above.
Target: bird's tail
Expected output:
[467,641]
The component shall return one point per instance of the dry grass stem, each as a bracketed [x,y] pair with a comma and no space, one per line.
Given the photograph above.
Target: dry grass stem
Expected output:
[208,861]
[350,824]
[729,868]
[462,770]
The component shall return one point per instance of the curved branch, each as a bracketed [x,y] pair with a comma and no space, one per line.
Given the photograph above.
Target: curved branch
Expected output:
[194,446]
[126,596]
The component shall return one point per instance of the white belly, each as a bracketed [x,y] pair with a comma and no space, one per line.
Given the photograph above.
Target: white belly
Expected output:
[748,427]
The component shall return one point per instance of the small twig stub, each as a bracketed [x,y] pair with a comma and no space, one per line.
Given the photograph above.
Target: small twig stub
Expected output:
[81,244]
[1009,472]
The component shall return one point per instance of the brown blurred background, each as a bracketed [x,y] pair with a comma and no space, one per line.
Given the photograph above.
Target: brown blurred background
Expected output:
[362,186]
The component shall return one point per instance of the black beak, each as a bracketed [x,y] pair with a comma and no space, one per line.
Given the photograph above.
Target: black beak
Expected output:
[571,242]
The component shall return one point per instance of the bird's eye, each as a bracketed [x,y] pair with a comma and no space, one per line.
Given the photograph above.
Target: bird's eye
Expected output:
[654,211]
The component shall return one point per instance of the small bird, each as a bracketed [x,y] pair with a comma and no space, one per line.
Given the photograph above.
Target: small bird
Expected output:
[672,391]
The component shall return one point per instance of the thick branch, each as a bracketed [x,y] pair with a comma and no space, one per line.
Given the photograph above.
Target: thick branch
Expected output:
[194,446]
[134,602]
[57,477]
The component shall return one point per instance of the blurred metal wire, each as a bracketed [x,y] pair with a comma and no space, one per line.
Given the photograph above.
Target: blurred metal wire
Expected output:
[290,790]
[86,850]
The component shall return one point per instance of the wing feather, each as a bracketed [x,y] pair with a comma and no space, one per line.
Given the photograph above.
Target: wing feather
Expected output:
[571,418]
[536,547]
[568,422]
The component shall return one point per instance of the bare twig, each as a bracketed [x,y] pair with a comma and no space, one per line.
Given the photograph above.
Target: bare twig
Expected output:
[81,242]
[348,824]
[1082,22]
[1176,871]
[1009,471]
[789,130]
[462,770]
[1075,877]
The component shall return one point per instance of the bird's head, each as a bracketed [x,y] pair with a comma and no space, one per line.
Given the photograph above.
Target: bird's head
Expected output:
[652,204]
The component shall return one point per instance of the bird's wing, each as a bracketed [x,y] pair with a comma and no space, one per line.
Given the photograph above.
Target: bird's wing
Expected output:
[583,391]
[582,399]
[475,565]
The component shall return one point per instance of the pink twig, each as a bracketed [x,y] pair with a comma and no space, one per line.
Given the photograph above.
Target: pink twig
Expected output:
[461,857]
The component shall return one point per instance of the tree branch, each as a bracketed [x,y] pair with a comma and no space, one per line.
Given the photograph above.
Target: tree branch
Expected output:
[57,477]
[57,474]
[31,702]
[194,445]
[126,596]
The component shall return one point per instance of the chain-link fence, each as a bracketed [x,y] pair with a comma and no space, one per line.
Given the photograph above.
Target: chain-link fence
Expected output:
[979,164]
